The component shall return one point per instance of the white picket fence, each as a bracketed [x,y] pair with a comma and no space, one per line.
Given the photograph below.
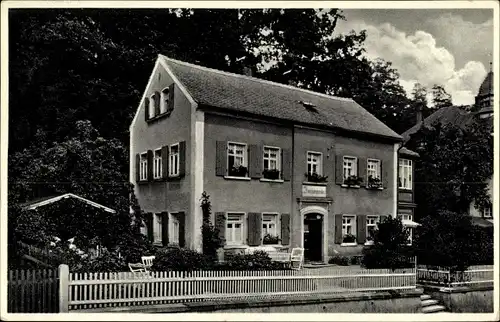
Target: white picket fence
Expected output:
[475,275]
[100,290]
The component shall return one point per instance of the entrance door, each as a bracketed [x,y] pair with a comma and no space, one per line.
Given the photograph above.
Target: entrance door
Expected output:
[313,233]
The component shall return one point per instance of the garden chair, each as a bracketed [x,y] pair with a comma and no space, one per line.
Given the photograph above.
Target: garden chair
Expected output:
[147,261]
[297,256]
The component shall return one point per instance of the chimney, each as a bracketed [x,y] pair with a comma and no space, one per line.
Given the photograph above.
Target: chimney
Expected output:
[419,114]
[248,71]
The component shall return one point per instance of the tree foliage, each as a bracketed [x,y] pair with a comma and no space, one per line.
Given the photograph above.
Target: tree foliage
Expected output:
[210,234]
[390,246]
[449,240]
[453,168]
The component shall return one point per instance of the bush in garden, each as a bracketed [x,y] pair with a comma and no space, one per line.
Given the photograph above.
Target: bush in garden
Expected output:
[446,240]
[257,261]
[105,262]
[390,246]
[482,241]
[180,259]
[339,260]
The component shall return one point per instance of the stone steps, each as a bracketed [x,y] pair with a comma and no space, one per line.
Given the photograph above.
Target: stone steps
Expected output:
[430,305]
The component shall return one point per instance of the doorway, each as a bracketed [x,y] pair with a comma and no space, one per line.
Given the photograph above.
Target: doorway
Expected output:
[313,237]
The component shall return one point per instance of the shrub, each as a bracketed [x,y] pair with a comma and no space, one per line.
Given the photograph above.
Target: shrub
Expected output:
[339,260]
[389,249]
[447,240]
[105,262]
[210,234]
[259,260]
[180,259]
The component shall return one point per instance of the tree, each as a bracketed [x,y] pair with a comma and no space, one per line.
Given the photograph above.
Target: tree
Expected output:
[440,98]
[210,234]
[445,239]
[390,246]
[85,164]
[453,167]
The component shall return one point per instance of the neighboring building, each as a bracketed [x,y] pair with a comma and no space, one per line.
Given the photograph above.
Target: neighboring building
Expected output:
[455,116]
[273,158]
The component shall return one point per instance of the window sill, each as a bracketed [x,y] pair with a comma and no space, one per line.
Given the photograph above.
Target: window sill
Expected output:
[173,178]
[369,243]
[350,187]
[374,188]
[241,246]
[405,190]
[237,178]
[315,183]
[142,182]
[159,116]
[349,244]
[158,243]
[271,180]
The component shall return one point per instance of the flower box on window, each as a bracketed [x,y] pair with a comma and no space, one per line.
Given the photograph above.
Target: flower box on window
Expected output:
[374,183]
[353,181]
[314,177]
[238,171]
[271,174]
[270,240]
[349,238]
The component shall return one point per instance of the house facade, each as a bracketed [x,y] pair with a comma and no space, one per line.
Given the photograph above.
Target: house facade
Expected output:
[283,166]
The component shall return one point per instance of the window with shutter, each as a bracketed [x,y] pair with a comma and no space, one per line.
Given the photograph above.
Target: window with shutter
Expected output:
[157,164]
[151,106]
[173,164]
[143,167]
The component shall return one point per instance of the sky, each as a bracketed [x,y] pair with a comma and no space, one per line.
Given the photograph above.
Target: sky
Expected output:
[452,48]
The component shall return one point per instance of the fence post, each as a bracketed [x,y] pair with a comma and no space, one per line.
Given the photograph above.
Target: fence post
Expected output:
[63,288]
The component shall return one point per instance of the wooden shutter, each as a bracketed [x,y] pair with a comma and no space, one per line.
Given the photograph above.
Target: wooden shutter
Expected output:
[285,229]
[164,228]
[146,108]
[220,224]
[255,160]
[170,105]
[254,228]
[339,167]
[150,165]
[181,216]
[156,98]
[338,229]
[149,226]
[362,165]
[385,175]
[164,162]
[361,229]
[137,167]
[221,158]
[286,164]
[182,159]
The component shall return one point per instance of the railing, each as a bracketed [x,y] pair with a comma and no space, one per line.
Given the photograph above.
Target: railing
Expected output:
[33,291]
[475,275]
[98,290]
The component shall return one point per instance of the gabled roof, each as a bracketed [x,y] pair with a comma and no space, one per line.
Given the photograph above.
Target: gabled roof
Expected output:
[446,115]
[33,204]
[238,93]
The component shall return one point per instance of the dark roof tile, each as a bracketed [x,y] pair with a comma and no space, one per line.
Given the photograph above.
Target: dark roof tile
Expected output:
[241,93]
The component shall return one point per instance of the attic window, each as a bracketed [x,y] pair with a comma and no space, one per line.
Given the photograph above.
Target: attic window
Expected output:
[308,105]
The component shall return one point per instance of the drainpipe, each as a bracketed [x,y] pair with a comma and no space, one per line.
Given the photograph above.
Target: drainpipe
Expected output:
[397,176]
[292,182]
